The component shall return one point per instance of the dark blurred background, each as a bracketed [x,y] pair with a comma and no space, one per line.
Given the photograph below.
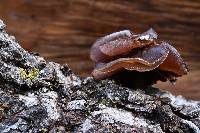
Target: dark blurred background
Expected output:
[63,30]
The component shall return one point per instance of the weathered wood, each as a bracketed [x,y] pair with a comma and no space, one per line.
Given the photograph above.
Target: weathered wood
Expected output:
[64,30]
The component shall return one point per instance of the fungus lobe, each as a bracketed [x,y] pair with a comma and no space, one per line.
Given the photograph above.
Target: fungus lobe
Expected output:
[136,60]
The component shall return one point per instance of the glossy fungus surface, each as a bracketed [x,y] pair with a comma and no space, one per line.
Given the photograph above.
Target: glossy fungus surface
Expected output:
[136,59]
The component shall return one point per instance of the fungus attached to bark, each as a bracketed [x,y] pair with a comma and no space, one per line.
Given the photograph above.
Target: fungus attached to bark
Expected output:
[136,60]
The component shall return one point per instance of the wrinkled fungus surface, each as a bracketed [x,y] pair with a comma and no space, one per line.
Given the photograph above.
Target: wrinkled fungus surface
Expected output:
[146,59]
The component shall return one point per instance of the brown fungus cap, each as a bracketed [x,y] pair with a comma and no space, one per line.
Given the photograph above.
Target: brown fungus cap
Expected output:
[124,55]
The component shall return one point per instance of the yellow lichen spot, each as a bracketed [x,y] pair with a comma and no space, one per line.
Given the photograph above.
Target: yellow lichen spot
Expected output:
[33,73]
[23,72]
[29,75]
[44,130]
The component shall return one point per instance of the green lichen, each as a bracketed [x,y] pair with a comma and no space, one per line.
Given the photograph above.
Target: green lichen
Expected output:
[29,75]
[107,102]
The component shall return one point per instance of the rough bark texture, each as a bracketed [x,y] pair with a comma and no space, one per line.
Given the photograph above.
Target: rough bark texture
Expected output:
[40,96]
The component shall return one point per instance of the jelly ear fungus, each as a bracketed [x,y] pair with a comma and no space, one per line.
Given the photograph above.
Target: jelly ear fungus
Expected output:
[136,60]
